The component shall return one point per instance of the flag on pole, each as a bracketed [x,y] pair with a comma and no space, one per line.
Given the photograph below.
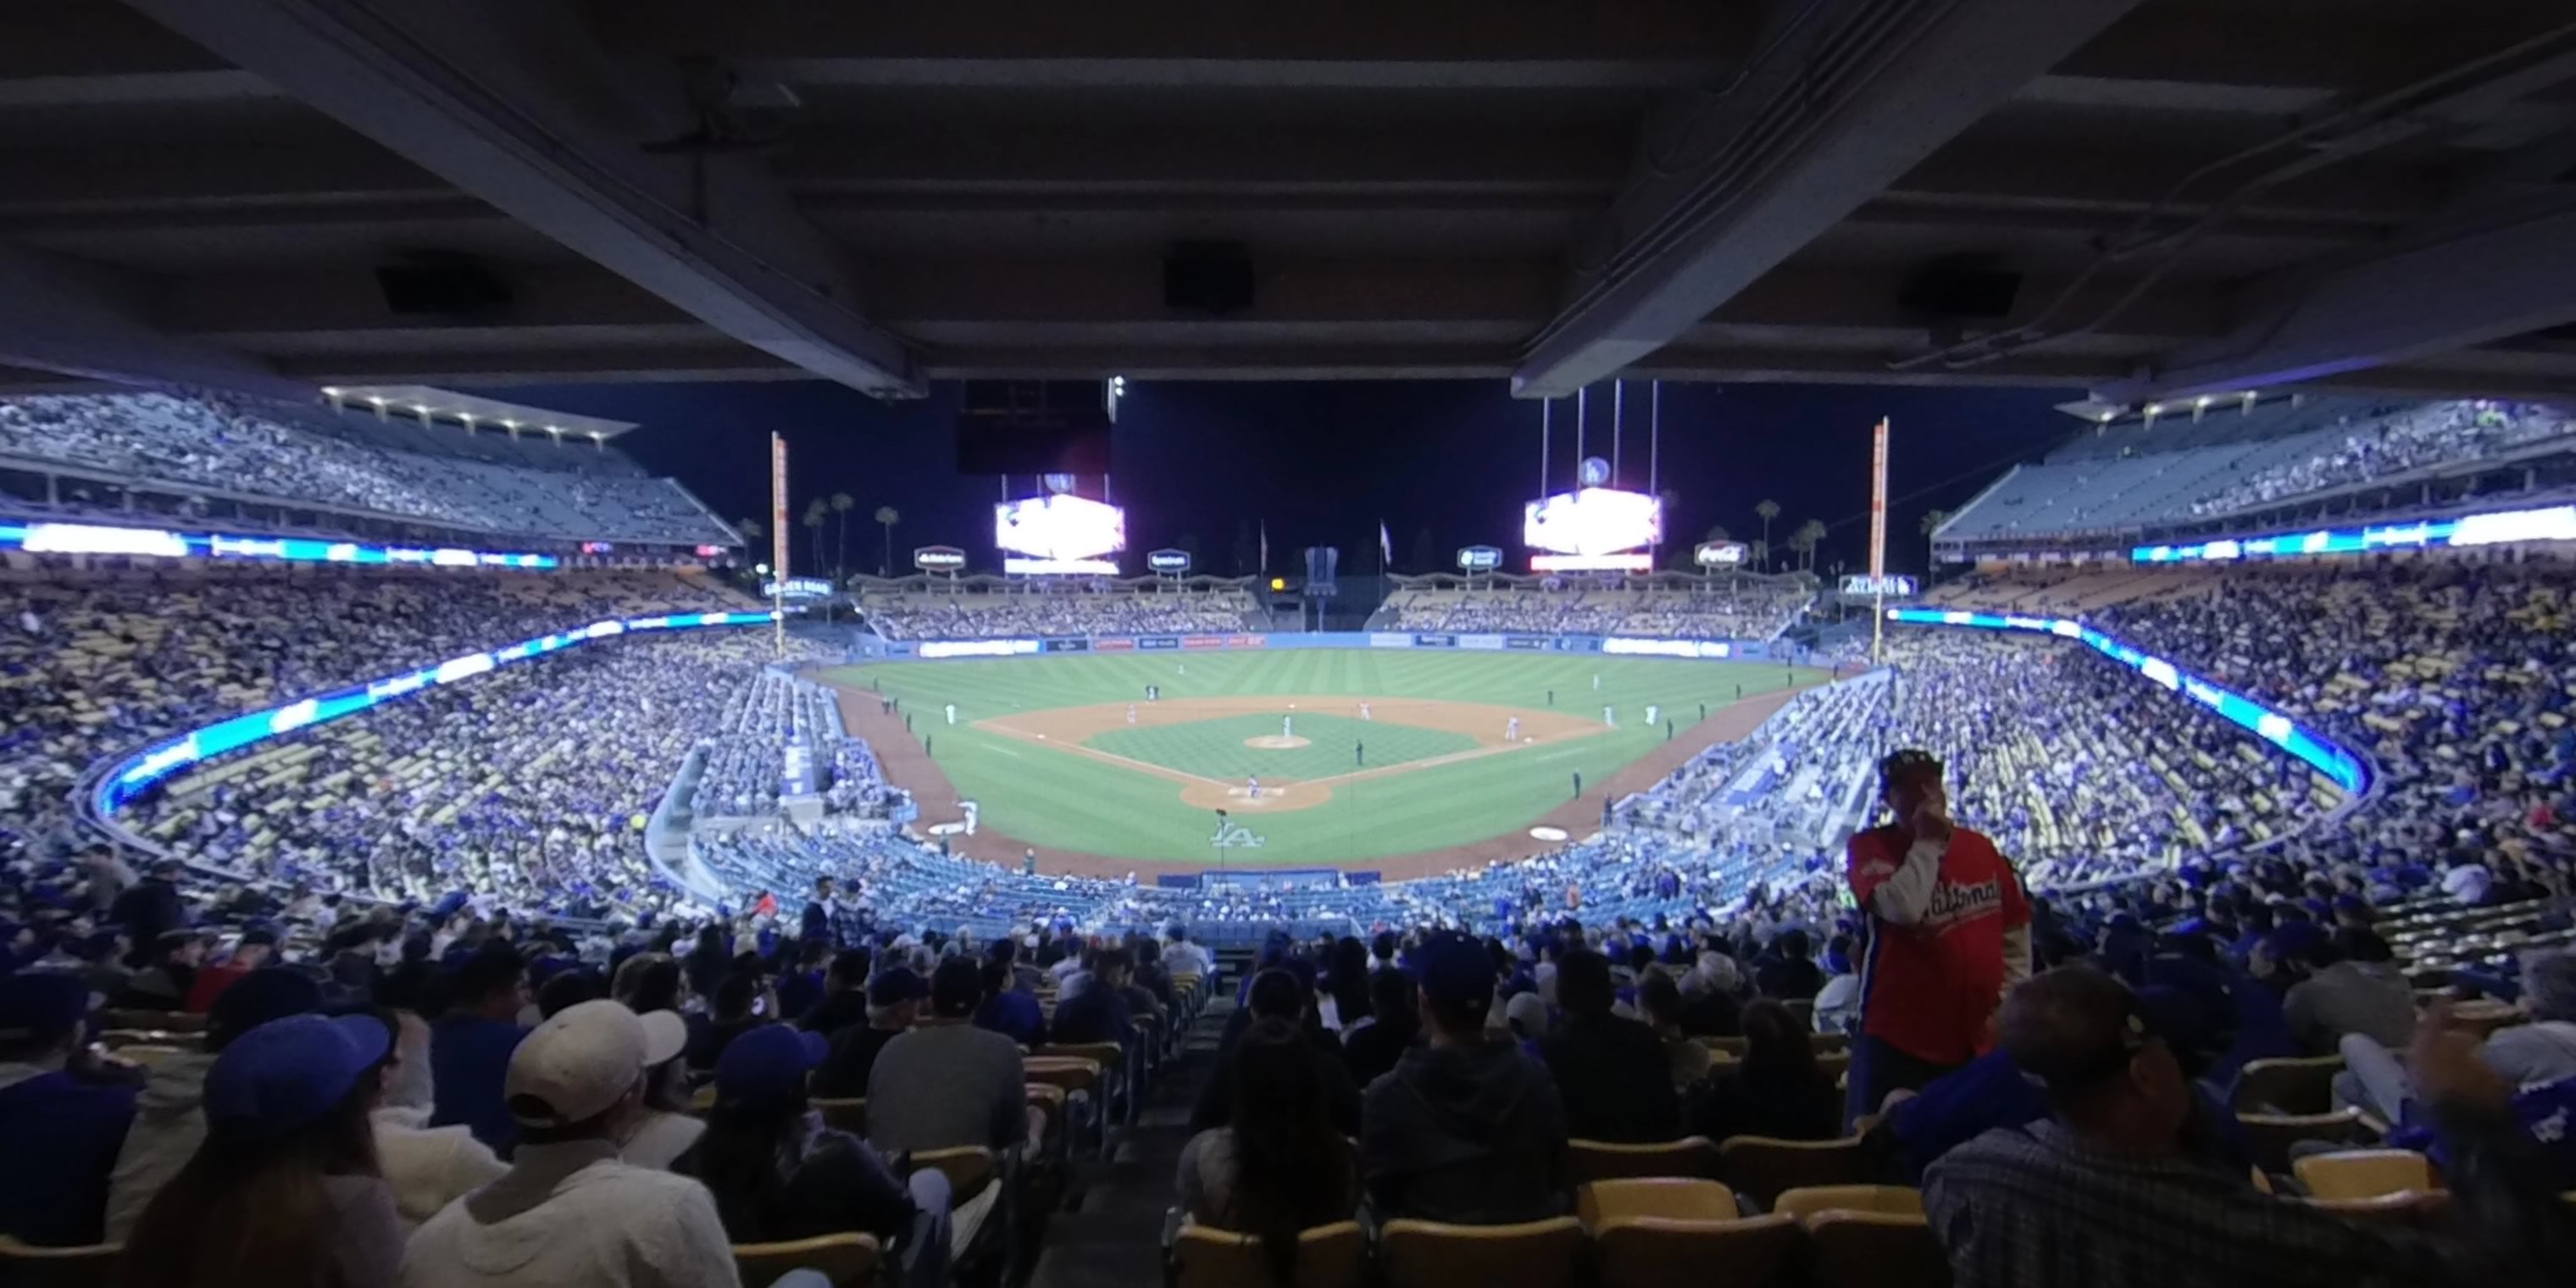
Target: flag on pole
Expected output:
[1385,548]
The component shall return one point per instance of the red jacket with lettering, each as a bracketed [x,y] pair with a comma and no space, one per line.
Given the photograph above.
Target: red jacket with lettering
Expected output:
[1929,989]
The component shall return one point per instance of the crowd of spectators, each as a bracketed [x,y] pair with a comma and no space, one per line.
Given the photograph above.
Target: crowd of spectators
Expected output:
[1747,608]
[747,769]
[2416,437]
[1038,612]
[432,474]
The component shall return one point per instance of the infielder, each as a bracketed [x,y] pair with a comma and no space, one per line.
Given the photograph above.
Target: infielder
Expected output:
[1364,714]
[952,713]
[1252,787]
[1650,712]
[1512,729]
[1610,716]
[1287,726]
[1131,713]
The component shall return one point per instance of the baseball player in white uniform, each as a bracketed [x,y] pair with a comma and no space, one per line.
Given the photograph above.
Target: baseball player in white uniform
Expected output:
[1512,729]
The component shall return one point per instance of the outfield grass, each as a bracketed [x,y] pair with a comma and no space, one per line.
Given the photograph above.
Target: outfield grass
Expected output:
[1067,800]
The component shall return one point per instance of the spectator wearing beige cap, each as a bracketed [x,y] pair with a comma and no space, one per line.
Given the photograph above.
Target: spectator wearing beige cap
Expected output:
[570,1213]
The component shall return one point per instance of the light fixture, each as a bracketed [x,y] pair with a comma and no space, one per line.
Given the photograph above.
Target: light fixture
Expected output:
[330,391]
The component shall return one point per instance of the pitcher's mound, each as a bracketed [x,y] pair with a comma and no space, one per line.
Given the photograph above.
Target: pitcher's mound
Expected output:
[1276,742]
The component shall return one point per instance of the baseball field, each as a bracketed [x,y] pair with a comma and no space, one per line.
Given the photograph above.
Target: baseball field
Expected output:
[1318,757]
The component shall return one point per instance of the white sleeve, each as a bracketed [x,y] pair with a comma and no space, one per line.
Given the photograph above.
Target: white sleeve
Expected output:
[693,1251]
[1902,898]
[2016,956]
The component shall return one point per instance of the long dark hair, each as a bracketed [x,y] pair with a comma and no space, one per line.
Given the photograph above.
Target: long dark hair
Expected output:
[1348,970]
[253,1211]
[1776,1049]
[747,1156]
[1292,1167]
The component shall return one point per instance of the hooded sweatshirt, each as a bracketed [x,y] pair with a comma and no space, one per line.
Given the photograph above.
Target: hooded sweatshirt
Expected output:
[168,1127]
[570,1215]
[1469,1133]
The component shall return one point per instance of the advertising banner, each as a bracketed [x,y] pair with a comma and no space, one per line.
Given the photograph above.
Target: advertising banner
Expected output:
[1068,646]
[1435,641]
[1113,646]
[1157,643]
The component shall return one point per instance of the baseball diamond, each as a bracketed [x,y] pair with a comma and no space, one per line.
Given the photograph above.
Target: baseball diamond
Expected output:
[1402,762]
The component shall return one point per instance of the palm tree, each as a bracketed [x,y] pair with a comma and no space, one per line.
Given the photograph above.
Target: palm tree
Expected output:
[1804,541]
[1761,554]
[887,518]
[1932,521]
[1766,510]
[816,511]
[750,529]
[842,504]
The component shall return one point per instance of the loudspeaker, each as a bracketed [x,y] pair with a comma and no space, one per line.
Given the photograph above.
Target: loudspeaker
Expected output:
[441,285]
[1208,277]
[1961,286]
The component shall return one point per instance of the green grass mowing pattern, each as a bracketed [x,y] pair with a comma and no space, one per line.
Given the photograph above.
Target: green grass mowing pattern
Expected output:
[1214,748]
[1080,803]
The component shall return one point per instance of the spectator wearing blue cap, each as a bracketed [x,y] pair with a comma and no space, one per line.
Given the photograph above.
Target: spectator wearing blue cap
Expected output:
[168,1123]
[570,1213]
[778,1173]
[1009,1008]
[894,1003]
[53,1109]
[1466,1129]
[286,1188]
[470,1044]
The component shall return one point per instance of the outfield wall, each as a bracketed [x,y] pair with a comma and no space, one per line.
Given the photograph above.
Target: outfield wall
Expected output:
[1463,641]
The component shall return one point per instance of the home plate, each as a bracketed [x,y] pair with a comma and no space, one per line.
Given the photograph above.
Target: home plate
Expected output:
[1544,833]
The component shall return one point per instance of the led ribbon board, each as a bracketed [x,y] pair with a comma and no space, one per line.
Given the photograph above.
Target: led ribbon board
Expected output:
[2549,523]
[145,769]
[2326,757]
[108,539]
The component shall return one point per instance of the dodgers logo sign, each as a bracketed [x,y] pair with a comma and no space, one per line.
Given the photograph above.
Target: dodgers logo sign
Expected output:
[1235,836]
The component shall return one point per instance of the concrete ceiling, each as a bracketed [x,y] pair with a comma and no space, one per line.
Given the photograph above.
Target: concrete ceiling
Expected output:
[2191,195]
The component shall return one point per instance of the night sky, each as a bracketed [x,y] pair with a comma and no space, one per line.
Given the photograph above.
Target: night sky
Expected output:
[1445,463]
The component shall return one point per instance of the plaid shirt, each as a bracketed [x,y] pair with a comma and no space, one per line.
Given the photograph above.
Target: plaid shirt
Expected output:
[2037,1207]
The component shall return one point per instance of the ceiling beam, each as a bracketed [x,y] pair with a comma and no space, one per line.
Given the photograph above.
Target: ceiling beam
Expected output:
[513,103]
[78,320]
[199,178]
[612,365]
[1019,45]
[1839,107]
[2484,284]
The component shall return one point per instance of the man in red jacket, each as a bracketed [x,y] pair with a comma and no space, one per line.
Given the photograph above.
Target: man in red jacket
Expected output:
[1949,932]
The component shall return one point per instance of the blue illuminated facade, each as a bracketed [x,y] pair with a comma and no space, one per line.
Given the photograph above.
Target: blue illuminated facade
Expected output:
[2549,523]
[144,770]
[2347,770]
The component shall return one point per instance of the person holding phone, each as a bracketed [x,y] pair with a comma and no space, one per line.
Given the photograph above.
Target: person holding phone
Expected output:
[1949,933]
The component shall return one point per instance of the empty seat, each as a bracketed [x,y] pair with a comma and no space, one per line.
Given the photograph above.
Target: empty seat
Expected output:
[1595,1160]
[1661,1252]
[1874,1250]
[2365,1173]
[1815,1200]
[1328,1256]
[2272,1135]
[2289,1086]
[89,1266]
[1765,1168]
[1428,1254]
[1662,1198]
[850,1115]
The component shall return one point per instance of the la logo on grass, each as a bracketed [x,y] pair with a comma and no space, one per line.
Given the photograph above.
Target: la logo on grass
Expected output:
[1235,836]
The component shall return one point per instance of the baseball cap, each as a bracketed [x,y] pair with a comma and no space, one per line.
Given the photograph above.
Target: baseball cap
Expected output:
[41,1004]
[894,986]
[1907,764]
[287,1073]
[1456,972]
[576,1065]
[767,1064]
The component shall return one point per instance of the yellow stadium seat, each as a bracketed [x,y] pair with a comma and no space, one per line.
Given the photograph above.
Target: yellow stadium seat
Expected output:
[1814,1200]
[1765,1168]
[845,1259]
[1328,1256]
[1594,1160]
[2288,1086]
[1665,1199]
[2272,1135]
[849,1115]
[1874,1250]
[969,1167]
[2365,1173]
[1658,1252]
[25,1265]
[1428,1254]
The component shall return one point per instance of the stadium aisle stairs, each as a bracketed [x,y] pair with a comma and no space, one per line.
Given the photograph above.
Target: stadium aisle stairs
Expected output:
[1110,1234]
